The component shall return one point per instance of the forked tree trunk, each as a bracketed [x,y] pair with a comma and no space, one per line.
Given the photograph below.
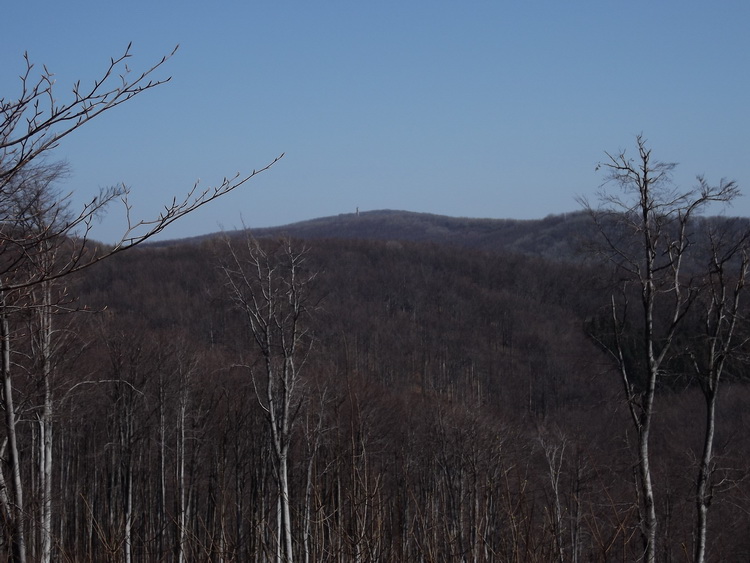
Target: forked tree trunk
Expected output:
[270,289]
[721,322]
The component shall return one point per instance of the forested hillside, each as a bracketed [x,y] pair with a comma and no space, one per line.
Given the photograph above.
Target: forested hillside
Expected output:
[357,400]
[556,236]
[383,386]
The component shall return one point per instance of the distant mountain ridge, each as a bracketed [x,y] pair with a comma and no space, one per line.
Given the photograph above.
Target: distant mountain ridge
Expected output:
[555,236]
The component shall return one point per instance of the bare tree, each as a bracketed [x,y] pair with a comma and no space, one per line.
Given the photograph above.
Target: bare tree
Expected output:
[14,503]
[30,208]
[33,125]
[553,447]
[271,288]
[713,349]
[43,240]
[645,229]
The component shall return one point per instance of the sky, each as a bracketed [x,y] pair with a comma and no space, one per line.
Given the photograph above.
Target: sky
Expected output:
[492,109]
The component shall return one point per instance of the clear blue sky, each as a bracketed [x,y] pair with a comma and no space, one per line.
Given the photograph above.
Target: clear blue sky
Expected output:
[480,109]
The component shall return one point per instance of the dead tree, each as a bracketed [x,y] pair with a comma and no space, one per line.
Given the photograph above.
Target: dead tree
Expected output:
[714,348]
[271,288]
[43,240]
[644,226]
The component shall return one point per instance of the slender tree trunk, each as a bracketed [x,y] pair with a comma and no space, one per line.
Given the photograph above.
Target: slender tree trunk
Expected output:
[280,429]
[279,550]
[649,519]
[647,234]
[313,452]
[126,463]
[554,455]
[162,504]
[703,492]
[128,515]
[307,509]
[45,475]
[285,508]
[721,321]
[5,502]
[19,528]
[271,290]
[46,421]
[181,486]
[641,410]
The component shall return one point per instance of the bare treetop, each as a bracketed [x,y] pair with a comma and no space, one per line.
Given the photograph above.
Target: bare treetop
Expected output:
[37,120]
[33,124]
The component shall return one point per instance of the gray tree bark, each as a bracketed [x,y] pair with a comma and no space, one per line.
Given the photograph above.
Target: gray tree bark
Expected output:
[17,504]
[724,292]
[271,288]
[645,236]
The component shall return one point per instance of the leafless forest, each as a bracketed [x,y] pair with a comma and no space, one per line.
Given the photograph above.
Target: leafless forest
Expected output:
[443,405]
[385,387]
